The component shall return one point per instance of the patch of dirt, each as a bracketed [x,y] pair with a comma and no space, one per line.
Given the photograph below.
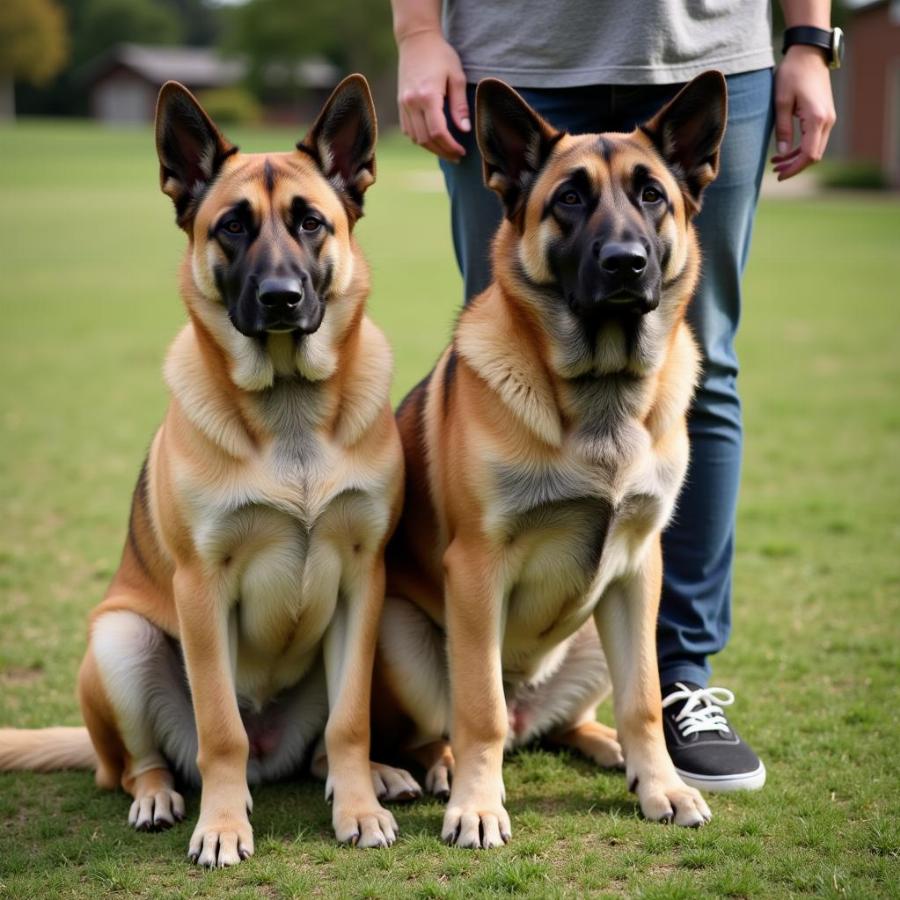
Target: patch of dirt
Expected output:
[21,674]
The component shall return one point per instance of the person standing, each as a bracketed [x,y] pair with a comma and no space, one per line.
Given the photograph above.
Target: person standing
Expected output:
[608,65]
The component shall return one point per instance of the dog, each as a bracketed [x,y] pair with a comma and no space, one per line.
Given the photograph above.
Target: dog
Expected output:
[544,455]
[243,616]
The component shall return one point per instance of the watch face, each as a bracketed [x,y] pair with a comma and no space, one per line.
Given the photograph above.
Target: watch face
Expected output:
[837,48]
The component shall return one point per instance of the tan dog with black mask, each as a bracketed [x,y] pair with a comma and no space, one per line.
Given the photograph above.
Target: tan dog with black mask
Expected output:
[544,456]
[252,579]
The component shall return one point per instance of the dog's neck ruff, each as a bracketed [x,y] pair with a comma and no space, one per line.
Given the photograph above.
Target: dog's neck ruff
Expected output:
[231,413]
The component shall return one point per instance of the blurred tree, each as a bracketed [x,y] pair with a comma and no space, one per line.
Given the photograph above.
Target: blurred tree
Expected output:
[96,25]
[355,35]
[104,23]
[33,46]
[200,21]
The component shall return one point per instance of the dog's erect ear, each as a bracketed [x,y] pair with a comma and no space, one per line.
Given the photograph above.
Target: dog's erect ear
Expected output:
[190,147]
[688,132]
[514,142]
[342,141]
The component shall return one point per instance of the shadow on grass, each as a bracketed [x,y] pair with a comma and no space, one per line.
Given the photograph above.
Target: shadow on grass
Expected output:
[64,819]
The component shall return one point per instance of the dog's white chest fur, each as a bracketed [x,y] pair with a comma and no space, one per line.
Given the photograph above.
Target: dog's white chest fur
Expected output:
[281,532]
[572,526]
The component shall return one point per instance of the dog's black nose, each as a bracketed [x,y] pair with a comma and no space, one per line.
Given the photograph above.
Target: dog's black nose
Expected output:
[625,260]
[280,293]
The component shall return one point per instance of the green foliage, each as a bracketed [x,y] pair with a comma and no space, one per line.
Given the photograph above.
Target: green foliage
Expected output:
[89,302]
[356,35]
[104,23]
[231,106]
[33,41]
[94,26]
[862,176]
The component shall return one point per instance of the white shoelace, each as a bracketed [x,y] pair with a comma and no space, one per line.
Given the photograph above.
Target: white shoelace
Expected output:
[702,710]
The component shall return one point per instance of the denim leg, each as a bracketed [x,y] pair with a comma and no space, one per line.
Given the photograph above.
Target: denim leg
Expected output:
[698,547]
[695,613]
[475,211]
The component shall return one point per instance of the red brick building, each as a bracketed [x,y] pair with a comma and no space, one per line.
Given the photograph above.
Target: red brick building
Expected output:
[869,95]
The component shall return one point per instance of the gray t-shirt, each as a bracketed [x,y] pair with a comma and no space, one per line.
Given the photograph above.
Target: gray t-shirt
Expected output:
[567,43]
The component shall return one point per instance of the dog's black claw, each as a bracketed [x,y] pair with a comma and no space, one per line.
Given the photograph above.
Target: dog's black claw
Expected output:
[632,788]
[443,796]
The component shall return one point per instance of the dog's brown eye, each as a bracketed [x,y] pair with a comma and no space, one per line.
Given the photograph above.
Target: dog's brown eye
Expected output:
[570,198]
[650,195]
[310,223]
[233,226]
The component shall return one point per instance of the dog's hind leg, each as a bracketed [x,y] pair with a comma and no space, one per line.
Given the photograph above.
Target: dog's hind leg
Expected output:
[437,760]
[391,784]
[413,668]
[596,741]
[116,681]
[563,709]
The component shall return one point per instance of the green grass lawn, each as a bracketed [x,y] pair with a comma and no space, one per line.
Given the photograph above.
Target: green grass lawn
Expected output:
[87,294]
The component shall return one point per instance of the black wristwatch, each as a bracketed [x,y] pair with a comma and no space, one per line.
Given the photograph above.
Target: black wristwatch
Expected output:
[830,42]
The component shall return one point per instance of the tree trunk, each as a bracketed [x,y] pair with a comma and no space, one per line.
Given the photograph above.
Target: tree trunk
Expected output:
[7,99]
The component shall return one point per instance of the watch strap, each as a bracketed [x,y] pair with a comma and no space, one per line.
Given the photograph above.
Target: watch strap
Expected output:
[807,34]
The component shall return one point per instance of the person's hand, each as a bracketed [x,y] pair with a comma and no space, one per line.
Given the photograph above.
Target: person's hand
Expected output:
[430,70]
[802,91]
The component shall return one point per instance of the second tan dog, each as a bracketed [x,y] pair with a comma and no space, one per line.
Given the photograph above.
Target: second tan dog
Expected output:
[545,453]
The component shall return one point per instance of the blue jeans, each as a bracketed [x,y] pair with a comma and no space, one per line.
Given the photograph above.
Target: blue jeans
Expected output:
[698,546]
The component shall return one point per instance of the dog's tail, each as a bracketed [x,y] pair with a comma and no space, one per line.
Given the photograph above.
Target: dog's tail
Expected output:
[46,749]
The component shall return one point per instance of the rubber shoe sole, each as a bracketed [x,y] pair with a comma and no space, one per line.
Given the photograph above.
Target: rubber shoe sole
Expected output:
[722,784]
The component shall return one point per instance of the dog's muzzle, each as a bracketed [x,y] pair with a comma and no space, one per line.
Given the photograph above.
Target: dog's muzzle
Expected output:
[625,280]
[288,305]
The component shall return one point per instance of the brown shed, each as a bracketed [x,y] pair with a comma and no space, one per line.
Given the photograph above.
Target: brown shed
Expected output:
[124,82]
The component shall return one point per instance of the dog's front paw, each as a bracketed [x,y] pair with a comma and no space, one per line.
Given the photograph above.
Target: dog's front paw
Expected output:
[157,805]
[393,785]
[672,801]
[369,825]
[476,825]
[157,810]
[221,840]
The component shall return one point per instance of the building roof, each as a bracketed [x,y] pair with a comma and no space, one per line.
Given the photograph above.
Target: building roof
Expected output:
[198,67]
[203,67]
[857,5]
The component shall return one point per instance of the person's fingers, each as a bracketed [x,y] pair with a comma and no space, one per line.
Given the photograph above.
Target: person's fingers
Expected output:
[781,159]
[811,127]
[828,123]
[457,101]
[439,133]
[422,119]
[412,102]
[794,166]
[784,122]
[420,135]
[419,129]
[405,126]
[815,126]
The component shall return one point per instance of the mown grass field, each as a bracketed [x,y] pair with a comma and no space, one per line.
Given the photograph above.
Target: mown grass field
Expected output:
[88,256]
